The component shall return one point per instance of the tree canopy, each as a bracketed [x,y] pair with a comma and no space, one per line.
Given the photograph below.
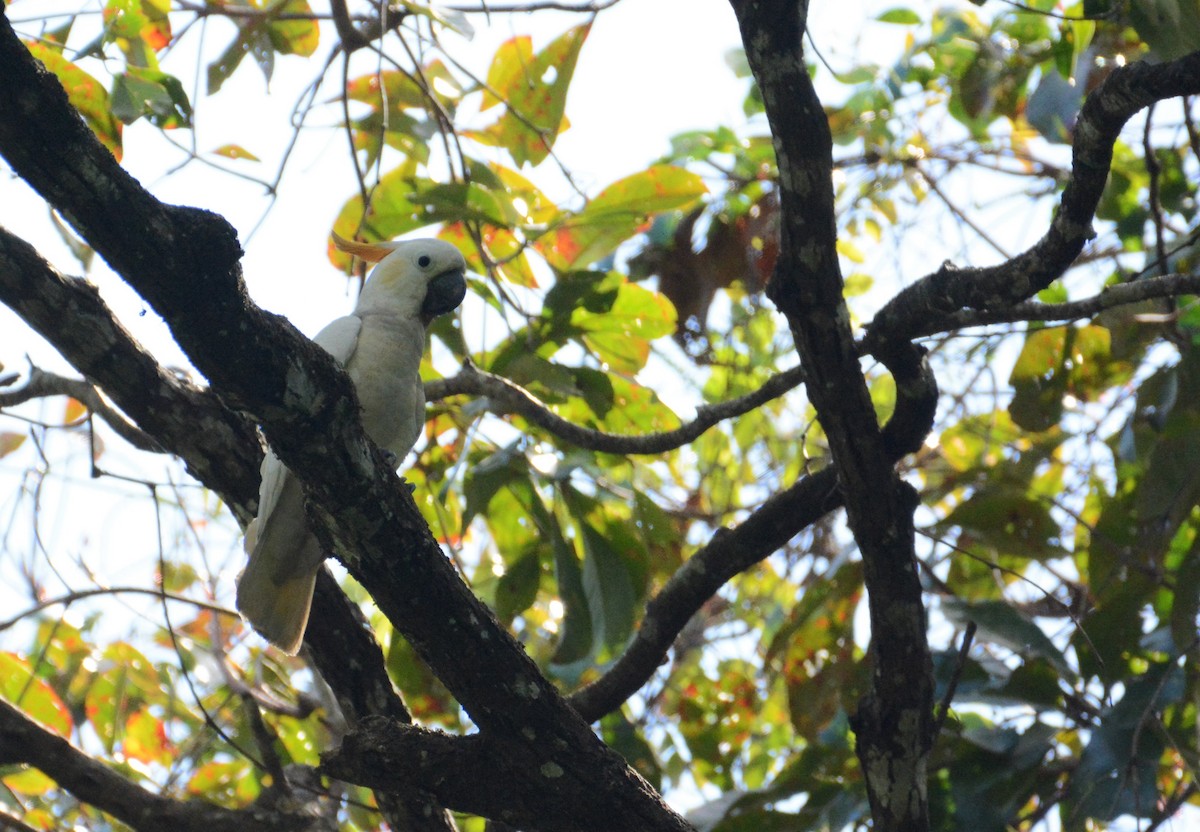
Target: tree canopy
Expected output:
[838,468]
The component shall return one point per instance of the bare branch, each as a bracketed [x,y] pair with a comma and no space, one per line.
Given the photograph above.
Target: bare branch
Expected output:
[78,595]
[511,397]
[43,384]
[505,8]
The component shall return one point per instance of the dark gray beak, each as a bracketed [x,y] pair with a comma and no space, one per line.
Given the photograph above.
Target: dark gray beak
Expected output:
[444,293]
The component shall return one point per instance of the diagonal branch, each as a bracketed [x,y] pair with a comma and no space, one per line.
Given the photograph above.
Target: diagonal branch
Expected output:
[734,550]
[1122,294]
[508,396]
[23,741]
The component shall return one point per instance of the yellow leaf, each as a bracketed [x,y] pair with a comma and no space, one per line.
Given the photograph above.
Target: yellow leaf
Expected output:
[236,151]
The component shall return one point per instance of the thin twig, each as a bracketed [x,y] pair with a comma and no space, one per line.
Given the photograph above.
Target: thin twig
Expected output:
[513,398]
[943,708]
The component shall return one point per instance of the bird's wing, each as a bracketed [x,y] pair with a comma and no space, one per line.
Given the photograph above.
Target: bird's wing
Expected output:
[274,477]
[340,338]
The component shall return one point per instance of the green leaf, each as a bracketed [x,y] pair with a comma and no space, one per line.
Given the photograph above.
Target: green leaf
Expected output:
[389,91]
[156,95]
[613,570]
[1119,769]
[621,335]
[139,28]
[617,405]
[617,213]
[518,587]
[125,681]
[900,15]
[489,475]
[251,40]
[1038,381]
[534,90]
[33,695]
[1009,521]
[145,739]
[575,635]
[235,151]
[1000,623]
[607,583]
[1170,27]
[294,37]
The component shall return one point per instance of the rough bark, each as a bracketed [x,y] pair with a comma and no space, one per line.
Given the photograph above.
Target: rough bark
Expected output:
[895,720]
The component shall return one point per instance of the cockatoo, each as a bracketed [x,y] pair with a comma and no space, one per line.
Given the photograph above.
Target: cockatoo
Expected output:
[380,344]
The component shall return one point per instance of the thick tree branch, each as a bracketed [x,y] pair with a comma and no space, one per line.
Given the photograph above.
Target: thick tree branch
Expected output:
[461,772]
[508,396]
[894,721]
[471,773]
[343,647]
[23,741]
[219,446]
[185,263]
[382,753]
[926,305]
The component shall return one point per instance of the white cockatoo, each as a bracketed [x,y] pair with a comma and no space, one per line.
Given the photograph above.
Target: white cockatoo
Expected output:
[380,344]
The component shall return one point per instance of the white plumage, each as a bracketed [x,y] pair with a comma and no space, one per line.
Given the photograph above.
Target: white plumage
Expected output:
[380,344]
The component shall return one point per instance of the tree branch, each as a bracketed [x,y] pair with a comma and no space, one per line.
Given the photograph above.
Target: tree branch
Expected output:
[893,725]
[460,771]
[926,305]
[1122,294]
[343,647]
[219,446]
[185,263]
[513,398]
[734,550]
[42,384]
[23,741]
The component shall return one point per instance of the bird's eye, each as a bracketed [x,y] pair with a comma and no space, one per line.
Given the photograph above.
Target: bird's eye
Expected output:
[424,260]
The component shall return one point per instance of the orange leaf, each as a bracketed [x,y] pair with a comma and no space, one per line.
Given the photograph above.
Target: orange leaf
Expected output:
[74,411]
[9,442]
